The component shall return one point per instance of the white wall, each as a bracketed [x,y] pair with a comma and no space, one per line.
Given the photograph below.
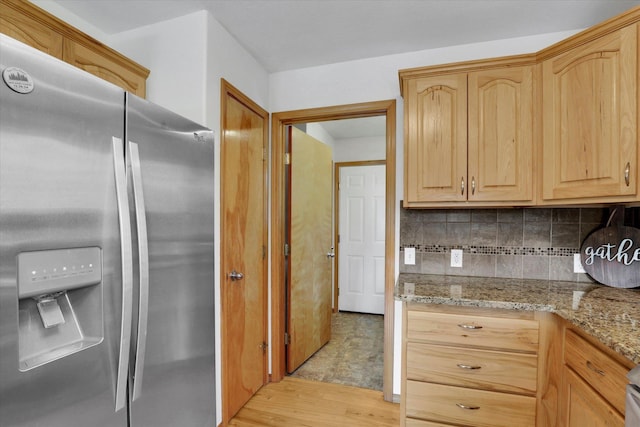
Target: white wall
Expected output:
[360,149]
[376,79]
[318,131]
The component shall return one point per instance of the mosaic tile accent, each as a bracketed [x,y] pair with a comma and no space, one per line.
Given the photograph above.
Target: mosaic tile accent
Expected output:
[492,250]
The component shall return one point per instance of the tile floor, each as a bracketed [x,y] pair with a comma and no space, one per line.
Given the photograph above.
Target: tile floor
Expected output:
[353,356]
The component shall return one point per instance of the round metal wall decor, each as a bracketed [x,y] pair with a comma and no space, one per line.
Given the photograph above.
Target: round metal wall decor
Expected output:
[611,255]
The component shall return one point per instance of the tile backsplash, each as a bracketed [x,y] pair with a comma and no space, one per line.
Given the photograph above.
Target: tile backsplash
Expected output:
[533,243]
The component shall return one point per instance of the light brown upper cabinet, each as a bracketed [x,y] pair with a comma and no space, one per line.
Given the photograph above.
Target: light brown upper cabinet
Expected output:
[590,121]
[33,26]
[559,126]
[469,133]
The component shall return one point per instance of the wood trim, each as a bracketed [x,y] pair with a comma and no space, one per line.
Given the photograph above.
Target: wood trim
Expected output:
[465,67]
[613,24]
[45,18]
[610,25]
[336,218]
[227,89]
[279,121]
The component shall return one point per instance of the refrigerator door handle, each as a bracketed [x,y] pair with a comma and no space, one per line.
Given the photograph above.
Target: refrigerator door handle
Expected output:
[143,257]
[127,273]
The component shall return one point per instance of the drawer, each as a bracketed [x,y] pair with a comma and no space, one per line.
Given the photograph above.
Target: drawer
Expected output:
[477,331]
[410,422]
[605,375]
[441,403]
[484,369]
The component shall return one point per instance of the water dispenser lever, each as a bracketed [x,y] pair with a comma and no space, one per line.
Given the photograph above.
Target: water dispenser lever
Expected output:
[49,310]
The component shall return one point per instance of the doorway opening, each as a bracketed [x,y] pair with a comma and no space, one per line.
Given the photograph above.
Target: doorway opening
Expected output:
[353,354]
[280,121]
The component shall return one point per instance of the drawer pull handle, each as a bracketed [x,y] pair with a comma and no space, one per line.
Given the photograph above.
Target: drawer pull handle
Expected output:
[471,408]
[594,369]
[470,367]
[465,326]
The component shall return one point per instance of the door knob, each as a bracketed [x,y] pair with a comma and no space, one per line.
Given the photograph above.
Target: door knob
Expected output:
[331,254]
[234,275]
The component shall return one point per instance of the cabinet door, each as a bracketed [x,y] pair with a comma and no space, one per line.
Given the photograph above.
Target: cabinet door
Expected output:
[501,135]
[590,121]
[103,66]
[29,31]
[436,139]
[585,407]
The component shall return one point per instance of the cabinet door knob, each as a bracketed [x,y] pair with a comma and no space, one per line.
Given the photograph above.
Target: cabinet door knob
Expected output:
[627,170]
[473,185]
[462,186]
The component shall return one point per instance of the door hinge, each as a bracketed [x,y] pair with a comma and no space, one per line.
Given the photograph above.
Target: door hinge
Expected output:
[264,346]
[264,252]
[287,158]
[286,249]
[287,340]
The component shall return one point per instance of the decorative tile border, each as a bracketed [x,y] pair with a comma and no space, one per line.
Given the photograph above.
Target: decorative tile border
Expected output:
[493,250]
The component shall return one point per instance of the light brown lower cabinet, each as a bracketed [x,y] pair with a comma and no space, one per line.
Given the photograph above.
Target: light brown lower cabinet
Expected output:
[476,367]
[469,367]
[584,406]
[593,384]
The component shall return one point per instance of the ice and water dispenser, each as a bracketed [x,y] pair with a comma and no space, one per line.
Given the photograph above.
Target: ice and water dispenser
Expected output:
[60,304]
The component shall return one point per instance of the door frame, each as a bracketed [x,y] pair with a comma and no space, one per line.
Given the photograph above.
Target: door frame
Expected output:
[227,89]
[279,122]
[336,221]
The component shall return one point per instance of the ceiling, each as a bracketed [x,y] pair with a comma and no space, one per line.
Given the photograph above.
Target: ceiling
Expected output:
[290,34]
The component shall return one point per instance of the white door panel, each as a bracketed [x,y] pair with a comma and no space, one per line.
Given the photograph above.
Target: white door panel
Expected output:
[361,263]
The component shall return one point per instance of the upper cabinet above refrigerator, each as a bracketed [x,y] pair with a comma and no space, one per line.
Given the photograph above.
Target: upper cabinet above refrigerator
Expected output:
[31,25]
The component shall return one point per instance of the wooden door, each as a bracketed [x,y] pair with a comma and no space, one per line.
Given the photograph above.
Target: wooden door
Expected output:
[309,296]
[590,119]
[436,139]
[501,135]
[361,247]
[243,249]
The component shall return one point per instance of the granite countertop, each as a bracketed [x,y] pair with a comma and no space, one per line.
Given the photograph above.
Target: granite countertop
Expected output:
[611,315]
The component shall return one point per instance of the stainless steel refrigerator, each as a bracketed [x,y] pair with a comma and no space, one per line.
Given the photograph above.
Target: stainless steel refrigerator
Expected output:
[106,253]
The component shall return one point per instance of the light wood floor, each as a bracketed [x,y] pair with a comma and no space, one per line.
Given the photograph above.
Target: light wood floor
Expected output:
[296,402]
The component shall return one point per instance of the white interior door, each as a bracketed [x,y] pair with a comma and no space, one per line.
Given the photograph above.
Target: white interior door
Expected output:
[361,252]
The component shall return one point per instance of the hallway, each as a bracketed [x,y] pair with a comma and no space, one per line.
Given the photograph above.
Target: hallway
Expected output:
[353,356]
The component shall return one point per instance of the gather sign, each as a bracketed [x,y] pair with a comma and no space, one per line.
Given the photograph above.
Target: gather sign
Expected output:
[611,256]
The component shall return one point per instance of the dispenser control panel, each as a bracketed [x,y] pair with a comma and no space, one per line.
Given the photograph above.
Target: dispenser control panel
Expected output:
[49,271]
